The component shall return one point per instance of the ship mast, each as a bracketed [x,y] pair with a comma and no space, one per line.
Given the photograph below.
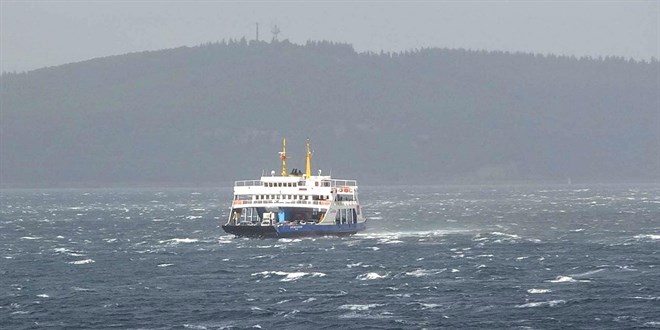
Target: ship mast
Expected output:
[283,156]
[308,168]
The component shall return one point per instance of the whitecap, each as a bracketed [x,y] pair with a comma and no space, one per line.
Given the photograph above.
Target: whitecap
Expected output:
[648,236]
[43,295]
[566,279]
[429,306]
[585,274]
[30,237]
[20,313]
[420,272]
[389,241]
[62,250]
[563,279]
[397,235]
[296,275]
[288,277]
[82,262]
[179,240]
[497,233]
[309,300]
[370,276]
[165,265]
[358,307]
[76,288]
[293,276]
[534,291]
[551,303]
[289,240]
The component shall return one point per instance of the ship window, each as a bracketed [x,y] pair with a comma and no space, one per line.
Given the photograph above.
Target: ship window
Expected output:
[295,184]
[316,183]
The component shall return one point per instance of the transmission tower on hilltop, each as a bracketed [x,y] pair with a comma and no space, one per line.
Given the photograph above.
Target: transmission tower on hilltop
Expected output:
[275,31]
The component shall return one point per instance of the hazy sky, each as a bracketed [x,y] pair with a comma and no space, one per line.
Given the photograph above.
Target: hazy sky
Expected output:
[45,33]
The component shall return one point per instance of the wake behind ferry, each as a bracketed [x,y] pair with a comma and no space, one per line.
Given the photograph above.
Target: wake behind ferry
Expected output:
[295,204]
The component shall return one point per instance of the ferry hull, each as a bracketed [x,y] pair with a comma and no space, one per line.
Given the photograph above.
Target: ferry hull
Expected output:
[295,230]
[251,231]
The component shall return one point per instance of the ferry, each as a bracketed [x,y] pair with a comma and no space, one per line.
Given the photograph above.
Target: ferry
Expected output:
[295,204]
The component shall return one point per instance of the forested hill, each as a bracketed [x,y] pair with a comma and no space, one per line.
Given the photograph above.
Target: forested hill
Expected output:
[211,114]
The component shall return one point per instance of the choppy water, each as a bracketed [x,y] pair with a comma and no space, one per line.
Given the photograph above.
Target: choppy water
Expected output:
[488,257]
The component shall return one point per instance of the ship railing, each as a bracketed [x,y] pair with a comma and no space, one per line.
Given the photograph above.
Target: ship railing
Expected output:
[279,201]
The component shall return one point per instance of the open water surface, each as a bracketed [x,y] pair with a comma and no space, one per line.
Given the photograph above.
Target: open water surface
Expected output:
[528,257]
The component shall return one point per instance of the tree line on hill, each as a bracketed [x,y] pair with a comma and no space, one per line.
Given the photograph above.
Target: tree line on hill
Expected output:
[215,113]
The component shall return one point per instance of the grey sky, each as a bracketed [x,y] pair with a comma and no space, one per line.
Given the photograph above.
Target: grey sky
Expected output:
[45,33]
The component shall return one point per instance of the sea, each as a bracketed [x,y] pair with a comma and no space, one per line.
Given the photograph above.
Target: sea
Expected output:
[491,257]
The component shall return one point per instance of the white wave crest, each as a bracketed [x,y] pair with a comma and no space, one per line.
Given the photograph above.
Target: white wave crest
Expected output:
[43,295]
[566,279]
[533,291]
[288,276]
[371,276]
[178,240]
[648,236]
[358,307]
[289,240]
[165,265]
[497,233]
[82,262]
[421,272]
[402,234]
[551,303]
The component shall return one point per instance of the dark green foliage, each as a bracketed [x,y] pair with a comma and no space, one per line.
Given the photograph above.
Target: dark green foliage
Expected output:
[217,112]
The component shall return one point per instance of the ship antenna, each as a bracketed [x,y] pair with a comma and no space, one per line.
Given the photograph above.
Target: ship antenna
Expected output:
[308,168]
[283,156]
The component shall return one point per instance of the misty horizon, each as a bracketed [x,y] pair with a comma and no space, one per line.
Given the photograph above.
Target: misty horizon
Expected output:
[36,35]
